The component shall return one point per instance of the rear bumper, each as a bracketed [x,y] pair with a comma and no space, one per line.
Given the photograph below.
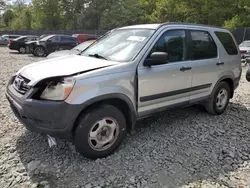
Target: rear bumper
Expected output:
[47,117]
[12,47]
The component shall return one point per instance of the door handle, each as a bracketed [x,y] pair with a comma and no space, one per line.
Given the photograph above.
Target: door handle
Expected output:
[219,63]
[183,69]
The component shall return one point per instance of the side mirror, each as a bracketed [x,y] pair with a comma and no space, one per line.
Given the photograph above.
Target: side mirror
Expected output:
[156,58]
[49,40]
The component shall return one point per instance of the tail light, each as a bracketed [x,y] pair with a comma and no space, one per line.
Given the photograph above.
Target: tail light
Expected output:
[11,41]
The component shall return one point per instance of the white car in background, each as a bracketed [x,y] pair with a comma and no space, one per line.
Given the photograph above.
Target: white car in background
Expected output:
[76,50]
[245,50]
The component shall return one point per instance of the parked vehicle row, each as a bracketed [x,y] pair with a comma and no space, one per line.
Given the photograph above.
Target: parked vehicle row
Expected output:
[44,45]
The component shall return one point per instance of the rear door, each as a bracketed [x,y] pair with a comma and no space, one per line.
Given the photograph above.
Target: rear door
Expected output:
[205,62]
[65,43]
[53,44]
[69,42]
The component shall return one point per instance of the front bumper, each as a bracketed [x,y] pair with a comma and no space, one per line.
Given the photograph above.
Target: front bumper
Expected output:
[47,117]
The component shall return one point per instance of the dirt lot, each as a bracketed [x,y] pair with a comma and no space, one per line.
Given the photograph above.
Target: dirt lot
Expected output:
[180,148]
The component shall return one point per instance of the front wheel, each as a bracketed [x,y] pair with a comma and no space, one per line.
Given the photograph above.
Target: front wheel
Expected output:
[219,99]
[100,131]
[39,51]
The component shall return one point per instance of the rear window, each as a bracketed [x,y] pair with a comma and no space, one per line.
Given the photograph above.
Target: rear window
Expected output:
[228,42]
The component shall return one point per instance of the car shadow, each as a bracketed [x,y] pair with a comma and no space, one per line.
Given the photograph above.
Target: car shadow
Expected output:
[13,52]
[178,146]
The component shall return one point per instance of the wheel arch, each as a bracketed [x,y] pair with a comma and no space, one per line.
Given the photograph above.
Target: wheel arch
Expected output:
[120,101]
[230,81]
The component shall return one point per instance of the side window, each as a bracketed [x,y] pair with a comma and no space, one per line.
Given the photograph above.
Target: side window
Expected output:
[56,39]
[227,42]
[65,39]
[203,45]
[174,43]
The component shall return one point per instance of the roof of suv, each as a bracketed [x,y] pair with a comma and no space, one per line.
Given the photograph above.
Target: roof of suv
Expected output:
[156,26]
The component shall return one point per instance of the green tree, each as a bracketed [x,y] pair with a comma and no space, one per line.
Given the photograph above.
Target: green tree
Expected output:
[47,14]
[8,17]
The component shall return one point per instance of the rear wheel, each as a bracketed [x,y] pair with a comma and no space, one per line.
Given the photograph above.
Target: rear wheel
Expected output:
[39,51]
[219,99]
[22,50]
[100,131]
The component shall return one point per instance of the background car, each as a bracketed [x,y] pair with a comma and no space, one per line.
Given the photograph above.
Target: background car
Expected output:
[4,39]
[54,43]
[85,37]
[19,43]
[245,50]
[29,46]
[76,50]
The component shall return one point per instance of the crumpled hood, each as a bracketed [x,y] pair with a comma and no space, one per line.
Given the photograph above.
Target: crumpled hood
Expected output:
[62,66]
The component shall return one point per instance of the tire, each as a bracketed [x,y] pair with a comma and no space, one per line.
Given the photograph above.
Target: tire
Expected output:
[22,50]
[27,49]
[216,106]
[98,122]
[34,52]
[40,51]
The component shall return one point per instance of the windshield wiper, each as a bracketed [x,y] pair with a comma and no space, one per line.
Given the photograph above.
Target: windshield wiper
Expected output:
[97,56]
[77,50]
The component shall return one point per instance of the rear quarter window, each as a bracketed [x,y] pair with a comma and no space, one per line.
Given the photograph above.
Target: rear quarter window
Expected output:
[227,42]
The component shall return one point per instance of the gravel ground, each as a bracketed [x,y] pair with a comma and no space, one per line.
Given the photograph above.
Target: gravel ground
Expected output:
[180,148]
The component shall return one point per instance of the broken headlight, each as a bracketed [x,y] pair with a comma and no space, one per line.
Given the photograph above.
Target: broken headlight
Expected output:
[58,90]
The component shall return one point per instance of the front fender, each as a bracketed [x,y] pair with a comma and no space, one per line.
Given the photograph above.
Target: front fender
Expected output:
[91,90]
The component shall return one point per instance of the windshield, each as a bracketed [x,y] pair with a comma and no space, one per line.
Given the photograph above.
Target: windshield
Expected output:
[83,45]
[245,44]
[120,45]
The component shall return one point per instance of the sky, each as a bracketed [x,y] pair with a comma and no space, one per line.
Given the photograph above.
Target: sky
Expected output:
[26,1]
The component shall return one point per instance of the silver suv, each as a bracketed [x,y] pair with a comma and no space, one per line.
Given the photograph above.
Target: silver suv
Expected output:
[128,74]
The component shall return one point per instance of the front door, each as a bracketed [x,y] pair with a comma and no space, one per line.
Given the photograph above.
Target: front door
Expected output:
[169,84]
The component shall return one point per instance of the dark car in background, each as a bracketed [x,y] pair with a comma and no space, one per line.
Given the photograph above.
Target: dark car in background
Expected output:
[76,50]
[85,37]
[19,43]
[53,43]
[29,46]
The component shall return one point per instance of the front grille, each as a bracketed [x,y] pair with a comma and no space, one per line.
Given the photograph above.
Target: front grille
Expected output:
[21,84]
